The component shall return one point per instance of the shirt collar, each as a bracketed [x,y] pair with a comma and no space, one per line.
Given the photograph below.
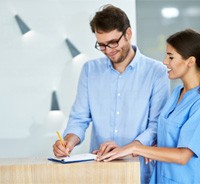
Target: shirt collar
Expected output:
[136,57]
[134,60]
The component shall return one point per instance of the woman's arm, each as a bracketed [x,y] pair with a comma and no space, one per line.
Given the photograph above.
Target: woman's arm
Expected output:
[174,155]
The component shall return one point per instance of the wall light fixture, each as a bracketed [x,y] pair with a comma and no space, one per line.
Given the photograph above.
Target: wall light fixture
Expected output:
[73,50]
[23,27]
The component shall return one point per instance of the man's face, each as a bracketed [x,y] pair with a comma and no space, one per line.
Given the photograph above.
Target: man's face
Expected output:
[119,53]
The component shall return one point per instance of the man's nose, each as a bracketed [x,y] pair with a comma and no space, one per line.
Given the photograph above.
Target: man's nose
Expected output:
[108,49]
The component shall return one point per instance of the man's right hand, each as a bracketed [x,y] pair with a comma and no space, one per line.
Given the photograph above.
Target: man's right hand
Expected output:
[70,141]
[61,151]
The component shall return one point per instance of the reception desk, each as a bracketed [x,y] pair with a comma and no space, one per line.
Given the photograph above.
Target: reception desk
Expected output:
[42,171]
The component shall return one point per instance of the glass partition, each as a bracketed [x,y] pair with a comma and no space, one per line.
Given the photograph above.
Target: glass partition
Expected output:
[157,19]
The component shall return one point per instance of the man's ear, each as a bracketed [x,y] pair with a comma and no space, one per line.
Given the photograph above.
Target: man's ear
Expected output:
[128,33]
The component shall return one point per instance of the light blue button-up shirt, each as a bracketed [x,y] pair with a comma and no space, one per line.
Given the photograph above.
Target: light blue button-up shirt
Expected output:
[122,107]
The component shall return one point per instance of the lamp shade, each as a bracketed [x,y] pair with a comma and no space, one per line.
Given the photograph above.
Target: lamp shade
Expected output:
[73,50]
[54,102]
[23,27]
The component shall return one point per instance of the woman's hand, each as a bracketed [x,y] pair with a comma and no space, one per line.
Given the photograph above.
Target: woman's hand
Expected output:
[105,148]
[118,152]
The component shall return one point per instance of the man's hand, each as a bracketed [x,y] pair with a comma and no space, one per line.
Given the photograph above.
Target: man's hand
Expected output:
[70,141]
[60,150]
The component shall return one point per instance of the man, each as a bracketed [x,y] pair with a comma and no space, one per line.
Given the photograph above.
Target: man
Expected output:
[122,94]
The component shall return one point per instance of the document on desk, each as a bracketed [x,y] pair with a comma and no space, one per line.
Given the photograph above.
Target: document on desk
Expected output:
[74,158]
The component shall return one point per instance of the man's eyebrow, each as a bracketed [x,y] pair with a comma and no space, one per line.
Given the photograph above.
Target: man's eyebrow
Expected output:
[115,39]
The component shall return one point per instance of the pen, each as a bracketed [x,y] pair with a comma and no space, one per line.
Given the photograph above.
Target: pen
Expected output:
[61,140]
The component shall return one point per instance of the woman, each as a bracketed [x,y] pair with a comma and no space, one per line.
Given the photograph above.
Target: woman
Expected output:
[178,148]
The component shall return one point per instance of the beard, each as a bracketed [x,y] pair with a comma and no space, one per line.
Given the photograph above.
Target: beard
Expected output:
[123,54]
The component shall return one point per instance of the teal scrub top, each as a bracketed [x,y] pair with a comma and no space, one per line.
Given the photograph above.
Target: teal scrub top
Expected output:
[179,126]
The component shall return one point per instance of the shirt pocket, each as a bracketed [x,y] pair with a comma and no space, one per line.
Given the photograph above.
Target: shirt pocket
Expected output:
[171,133]
[166,180]
[170,173]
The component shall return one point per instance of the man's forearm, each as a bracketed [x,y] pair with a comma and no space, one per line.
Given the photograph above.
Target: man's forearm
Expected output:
[72,138]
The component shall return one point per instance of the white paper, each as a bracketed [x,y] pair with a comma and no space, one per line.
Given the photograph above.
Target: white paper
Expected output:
[75,158]
[85,156]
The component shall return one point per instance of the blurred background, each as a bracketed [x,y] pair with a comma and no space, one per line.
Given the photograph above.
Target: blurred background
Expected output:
[39,68]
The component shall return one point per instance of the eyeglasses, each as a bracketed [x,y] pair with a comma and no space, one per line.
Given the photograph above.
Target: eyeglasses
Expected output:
[111,44]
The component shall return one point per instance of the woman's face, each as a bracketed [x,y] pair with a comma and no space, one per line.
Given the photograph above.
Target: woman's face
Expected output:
[177,66]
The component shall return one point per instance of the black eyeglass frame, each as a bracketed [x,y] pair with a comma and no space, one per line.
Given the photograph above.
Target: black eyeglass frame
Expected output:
[114,43]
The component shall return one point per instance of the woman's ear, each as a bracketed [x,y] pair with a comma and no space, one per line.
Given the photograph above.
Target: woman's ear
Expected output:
[191,61]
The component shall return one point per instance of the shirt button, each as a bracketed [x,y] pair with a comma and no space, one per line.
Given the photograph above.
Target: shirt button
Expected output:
[117,113]
[116,131]
[118,94]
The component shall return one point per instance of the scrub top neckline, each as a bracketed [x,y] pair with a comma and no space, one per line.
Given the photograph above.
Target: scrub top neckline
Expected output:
[176,104]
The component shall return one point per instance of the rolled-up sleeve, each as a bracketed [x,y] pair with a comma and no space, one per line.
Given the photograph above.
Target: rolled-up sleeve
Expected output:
[80,115]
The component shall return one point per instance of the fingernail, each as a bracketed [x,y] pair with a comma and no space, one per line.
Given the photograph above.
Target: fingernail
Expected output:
[99,154]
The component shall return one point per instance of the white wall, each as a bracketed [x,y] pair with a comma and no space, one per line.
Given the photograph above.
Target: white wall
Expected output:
[32,66]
